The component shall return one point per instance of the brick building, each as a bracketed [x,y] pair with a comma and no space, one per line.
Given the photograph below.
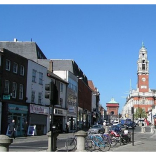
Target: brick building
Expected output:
[112,109]
[143,97]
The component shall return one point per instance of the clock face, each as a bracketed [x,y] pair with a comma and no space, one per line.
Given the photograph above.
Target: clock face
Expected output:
[143,79]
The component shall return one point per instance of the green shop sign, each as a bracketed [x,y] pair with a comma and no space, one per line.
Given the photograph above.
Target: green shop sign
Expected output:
[6,97]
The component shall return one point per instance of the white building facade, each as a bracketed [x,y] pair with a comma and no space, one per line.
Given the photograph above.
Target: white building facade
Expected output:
[38,105]
[143,97]
[72,97]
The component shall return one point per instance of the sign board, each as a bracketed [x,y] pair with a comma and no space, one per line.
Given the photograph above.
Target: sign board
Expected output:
[32,130]
[8,133]
[6,97]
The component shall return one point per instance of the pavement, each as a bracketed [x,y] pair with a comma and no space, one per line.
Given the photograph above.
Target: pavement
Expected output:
[143,142]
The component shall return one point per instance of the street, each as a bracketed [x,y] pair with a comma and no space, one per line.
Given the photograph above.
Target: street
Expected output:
[40,143]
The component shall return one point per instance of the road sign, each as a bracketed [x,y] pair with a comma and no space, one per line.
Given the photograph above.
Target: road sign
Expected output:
[6,97]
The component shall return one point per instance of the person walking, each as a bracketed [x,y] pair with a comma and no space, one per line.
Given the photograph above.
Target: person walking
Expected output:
[67,127]
[12,129]
[25,128]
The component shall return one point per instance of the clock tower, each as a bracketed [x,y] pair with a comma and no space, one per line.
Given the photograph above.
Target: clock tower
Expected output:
[143,70]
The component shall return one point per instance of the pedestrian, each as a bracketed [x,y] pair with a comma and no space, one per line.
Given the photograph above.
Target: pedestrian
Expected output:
[67,127]
[25,128]
[12,129]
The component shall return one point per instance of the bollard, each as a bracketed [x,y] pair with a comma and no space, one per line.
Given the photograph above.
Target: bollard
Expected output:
[49,141]
[152,129]
[81,141]
[106,129]
[143,129]
[54,141]
[5,141]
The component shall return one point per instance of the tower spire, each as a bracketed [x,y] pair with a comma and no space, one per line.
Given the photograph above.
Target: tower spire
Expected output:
[143,44]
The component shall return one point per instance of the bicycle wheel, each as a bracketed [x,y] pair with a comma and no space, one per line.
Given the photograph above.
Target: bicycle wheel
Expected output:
[89,145]
[114,141]
[107,145]
[71,144]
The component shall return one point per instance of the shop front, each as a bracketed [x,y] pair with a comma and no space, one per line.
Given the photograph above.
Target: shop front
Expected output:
[19,113]
[39,116]
[59,119]
[72,118]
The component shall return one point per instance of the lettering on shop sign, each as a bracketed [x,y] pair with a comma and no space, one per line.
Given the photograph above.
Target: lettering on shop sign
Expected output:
[18,108]
[58,112]
[38,109]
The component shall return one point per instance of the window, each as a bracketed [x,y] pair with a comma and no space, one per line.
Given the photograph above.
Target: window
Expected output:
[40,78]
[33,96]
[8,65]
[143,66]
[6,87]
[39,98]
[22,70]
[21,91]
[34,75]
[14,89]
[15,68]
[61,101]
[61,87]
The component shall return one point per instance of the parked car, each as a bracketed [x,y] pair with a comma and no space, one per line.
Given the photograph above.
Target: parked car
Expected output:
[96,129]
[115,128]
[130,124]
[121,126]
[108,123]
[115,122]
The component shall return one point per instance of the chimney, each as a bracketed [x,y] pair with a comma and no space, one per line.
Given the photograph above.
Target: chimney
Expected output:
[51,66]
[15,39]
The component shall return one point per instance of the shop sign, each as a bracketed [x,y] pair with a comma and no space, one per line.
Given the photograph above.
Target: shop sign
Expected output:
[6,97]
[18,108]
[60,112]
[71,109]
[32,130]
[39,109]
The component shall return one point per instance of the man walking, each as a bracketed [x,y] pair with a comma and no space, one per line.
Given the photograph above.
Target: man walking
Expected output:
[12,129]
[25,128]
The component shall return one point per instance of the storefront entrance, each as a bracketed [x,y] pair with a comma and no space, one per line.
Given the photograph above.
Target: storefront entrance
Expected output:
[19,122]
[19,114]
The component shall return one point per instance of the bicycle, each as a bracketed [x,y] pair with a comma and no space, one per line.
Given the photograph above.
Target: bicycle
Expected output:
[112,140]
[71,143]
[99,142]
[89,144]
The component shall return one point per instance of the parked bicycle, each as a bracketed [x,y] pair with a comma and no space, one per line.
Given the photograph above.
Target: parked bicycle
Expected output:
[120,137]
[97,142]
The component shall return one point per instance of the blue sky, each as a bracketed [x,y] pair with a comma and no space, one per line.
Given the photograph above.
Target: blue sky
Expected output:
[104,40]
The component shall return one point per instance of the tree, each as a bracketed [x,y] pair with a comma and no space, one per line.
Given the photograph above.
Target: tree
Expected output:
[140,113]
